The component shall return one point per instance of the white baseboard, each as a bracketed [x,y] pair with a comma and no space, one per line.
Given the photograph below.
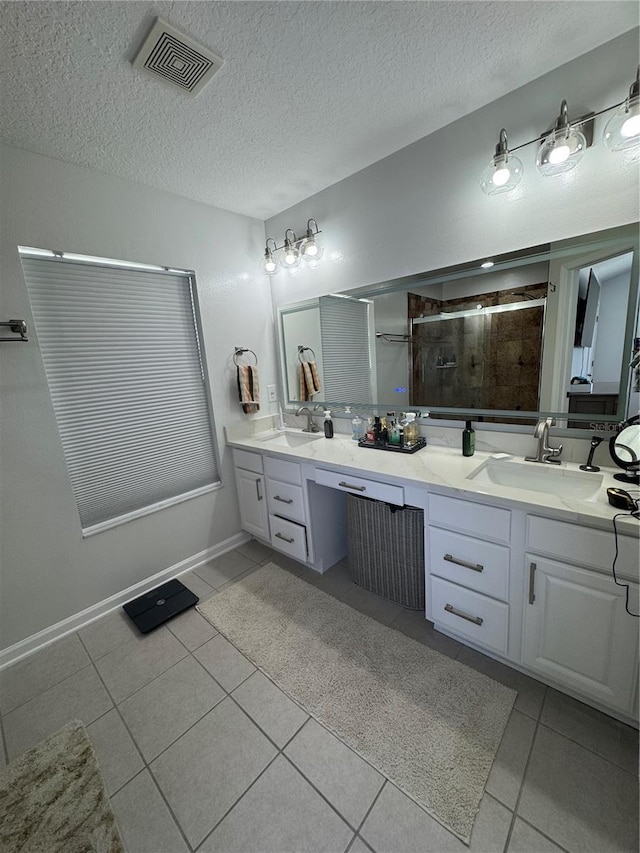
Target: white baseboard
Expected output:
[35,642]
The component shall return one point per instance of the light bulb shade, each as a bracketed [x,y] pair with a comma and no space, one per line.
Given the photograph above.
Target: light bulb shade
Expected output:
[269,264]
[311,248]
[560,152]
[563,148]
[504,172]
[502,175]
[290,253]
[622,131]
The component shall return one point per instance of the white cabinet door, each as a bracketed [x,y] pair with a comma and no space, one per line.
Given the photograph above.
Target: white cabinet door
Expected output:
[252,497]
[576,631]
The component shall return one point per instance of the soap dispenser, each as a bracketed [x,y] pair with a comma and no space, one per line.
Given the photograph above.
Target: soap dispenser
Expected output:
[328,425]
[468,440]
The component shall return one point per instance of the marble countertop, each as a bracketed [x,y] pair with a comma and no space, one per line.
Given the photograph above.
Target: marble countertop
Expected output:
[445,470]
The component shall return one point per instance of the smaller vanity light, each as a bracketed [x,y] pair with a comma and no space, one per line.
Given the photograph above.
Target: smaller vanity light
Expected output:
[290,254]
[311,248]
[503,172]
[563,148]
[269,265]
[487,265]
[622,131]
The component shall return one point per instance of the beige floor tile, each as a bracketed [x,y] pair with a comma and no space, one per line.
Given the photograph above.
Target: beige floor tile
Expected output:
[195,583]
[526,839]
[164,709]
[204,772]
[145,822]
[269,708]
[510,762]
[256,551]
[412,623]
[281,813]
[135,663]
[81,696]
[224,662]
[106,634]
[345,779]
[598,732]
[581,801]
[40,671]
[217,572]
[397,825]
[117,755]
[191,629]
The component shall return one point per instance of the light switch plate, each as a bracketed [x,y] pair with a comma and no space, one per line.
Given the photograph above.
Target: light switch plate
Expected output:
[271,393]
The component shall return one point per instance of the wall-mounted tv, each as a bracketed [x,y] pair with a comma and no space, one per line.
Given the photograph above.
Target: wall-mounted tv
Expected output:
[587,313]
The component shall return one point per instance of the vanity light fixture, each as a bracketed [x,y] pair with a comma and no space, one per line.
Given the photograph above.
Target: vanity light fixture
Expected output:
[293,250]
[622,131]
[563,148]
[487,265]
[503,172]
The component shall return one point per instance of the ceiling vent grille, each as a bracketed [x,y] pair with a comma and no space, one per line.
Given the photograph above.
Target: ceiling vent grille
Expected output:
[178,59]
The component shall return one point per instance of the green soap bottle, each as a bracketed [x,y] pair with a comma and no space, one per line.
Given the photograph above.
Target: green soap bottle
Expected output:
[468,440]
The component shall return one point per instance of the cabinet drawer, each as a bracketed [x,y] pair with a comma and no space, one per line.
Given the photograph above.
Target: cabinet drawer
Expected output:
[470,614]
[289,537]
[279,469]
[248,461]
[469,562]
[583,546]
[285,499]
[491,522]
[358,486]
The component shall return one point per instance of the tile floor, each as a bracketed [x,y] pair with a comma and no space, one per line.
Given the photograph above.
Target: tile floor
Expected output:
[201,752]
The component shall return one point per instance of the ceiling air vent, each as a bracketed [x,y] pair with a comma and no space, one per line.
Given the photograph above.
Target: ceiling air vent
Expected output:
[177,58]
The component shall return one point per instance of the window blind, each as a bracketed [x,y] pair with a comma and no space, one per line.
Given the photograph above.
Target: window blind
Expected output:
[346,356]
[124,367]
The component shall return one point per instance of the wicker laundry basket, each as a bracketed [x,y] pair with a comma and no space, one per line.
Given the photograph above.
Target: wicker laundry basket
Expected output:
[386,550]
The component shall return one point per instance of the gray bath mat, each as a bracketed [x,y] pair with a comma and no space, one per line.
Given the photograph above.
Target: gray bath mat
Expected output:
[53,799]
[428,723]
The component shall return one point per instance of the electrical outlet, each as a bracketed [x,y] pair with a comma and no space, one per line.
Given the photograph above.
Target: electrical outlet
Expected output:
[271,393]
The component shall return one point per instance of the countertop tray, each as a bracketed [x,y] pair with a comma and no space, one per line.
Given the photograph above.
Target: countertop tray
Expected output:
[394,448]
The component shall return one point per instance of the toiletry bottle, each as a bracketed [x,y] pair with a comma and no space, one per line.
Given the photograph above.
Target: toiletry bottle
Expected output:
[370,434]
[468,440]
[411,432]
[394,434]
[377,428]
[356,428]
[384,432]
[328,425]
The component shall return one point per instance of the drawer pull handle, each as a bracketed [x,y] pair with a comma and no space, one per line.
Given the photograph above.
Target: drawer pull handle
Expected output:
[477,620]
[285,538]
[476,567]
[350,486]
[283,500]
[258,488]
[532,582]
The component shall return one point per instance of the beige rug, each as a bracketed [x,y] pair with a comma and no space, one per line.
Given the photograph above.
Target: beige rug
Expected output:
[428,723]
[53,799]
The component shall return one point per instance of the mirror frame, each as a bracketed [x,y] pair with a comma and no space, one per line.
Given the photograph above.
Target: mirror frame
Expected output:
[573,253]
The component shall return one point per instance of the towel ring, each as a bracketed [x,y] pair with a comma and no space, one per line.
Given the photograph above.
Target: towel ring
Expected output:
[241,351]
[301,352]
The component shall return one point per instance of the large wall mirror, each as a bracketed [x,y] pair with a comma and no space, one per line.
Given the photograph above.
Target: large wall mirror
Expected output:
[545,330]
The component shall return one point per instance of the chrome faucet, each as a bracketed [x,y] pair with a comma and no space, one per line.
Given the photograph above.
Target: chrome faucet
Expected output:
[545,453]
[310,427]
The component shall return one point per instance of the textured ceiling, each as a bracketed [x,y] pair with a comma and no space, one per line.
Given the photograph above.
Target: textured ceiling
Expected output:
[310,92]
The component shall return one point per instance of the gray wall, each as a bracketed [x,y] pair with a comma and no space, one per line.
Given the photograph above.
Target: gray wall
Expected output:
[47,571]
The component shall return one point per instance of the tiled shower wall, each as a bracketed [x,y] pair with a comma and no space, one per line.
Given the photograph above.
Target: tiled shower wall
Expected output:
[489,361]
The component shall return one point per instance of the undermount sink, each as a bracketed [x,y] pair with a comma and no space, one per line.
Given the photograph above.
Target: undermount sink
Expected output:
[290,438]
[538,477]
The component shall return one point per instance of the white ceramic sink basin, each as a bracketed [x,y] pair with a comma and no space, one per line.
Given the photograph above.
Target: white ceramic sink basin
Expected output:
[538,477]
[290,438]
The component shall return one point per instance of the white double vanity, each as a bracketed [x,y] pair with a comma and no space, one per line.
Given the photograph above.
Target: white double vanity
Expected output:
[516,565]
